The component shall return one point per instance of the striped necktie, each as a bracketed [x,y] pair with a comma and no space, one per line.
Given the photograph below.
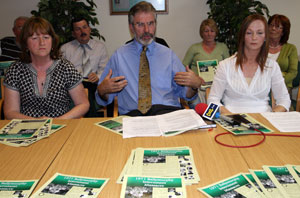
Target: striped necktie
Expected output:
[145,98]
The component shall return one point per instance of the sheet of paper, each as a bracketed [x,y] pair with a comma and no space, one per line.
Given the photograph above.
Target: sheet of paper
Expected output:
[22,188]
[284,181]
[61,185]
[140,127]
[154,186]
[175,122]
[266,184]
[242,130]
[284,121]
[173,161]
[185,119]
[114,125]
[235,186]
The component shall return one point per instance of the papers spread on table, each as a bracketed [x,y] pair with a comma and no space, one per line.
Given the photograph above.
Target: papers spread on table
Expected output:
[242,130]
[61,185]
[17,188]
[141,186]
[162,162]
[284,121]
[271,181]
[167,124]
[25,132]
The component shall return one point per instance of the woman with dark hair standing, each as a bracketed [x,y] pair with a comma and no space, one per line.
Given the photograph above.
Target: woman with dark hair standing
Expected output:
[243,81]
[280,50]
[42,84]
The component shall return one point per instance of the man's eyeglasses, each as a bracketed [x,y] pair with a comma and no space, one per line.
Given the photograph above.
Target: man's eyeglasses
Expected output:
[142,25]
[277,27]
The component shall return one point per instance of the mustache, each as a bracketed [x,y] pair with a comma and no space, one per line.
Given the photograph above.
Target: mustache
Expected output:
[148,34]
[83,34]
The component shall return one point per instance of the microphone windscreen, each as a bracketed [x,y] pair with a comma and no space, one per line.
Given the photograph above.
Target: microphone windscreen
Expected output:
[200,108]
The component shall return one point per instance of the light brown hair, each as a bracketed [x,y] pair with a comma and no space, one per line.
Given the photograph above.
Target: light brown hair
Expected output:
[210,23]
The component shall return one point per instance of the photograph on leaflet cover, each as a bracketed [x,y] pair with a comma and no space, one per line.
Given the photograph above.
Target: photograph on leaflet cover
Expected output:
[237,129]
[16,189]
[114,125]
[61,185]
[253,182]
[176,161]
[284,181]
[295,171]
[43,132]
[266,184]
[20,129]
[235,187]
[153,186]
[206,70]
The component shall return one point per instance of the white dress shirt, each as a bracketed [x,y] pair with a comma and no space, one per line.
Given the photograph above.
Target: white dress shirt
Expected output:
[238,96]
[96,50]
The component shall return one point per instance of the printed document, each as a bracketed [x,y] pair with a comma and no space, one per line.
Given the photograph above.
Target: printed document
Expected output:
[167,124]
[284,121]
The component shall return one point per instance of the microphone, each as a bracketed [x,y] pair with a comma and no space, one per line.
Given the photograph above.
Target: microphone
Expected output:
[208,111]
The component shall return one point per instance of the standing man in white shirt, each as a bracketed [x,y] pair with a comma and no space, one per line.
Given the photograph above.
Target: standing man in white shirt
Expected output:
[89,57]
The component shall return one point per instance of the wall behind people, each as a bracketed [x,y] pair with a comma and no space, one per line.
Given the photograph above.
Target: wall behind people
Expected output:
[179,28]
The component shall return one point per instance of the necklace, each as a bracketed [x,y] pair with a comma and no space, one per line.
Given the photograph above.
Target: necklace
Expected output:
[274,46]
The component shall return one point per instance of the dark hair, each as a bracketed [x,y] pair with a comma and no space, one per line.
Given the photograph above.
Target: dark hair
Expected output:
[142,6]
[263,54]
[210,23]
[38,25]
[76,20]
[286,26]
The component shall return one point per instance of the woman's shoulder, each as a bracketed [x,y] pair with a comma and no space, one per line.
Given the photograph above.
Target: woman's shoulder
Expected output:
[17,67]
[63,64]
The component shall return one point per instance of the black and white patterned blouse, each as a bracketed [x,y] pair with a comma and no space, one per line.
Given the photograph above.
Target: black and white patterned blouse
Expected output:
[55,101]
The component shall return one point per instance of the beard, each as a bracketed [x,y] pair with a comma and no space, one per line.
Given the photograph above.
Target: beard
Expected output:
[143,41]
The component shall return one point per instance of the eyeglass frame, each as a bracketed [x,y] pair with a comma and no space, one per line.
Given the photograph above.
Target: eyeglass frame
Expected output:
[277,27]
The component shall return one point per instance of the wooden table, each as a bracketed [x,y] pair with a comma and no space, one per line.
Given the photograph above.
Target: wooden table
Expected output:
[95,152]
[275,151]
[31,162]
[91,151]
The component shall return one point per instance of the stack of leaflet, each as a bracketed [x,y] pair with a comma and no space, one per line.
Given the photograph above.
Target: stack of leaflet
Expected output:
[272,181]
[61,185]
[159,166]
[25,132]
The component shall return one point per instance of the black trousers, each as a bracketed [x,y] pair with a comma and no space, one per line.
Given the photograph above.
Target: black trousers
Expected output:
[154,110]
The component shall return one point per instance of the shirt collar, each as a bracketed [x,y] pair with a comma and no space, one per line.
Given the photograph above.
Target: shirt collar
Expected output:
[89,45]
[139,47]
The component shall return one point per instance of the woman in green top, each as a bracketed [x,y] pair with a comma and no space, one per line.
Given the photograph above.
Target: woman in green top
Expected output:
[280,50]
[208,49]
